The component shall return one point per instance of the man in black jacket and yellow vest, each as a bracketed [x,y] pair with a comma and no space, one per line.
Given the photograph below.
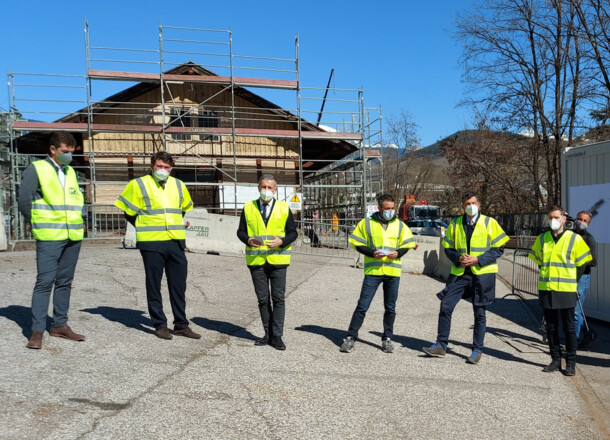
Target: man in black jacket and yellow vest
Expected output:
[267,229]
[473,243]
[155,204]
[562,256]
[50,199]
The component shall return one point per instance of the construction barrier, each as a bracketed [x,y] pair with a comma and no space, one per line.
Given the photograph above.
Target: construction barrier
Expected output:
[205,232]
[525,273]
[214,233]
[425,258]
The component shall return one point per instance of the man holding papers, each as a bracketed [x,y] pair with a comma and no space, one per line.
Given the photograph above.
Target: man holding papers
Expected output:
[383,239]
[267,229]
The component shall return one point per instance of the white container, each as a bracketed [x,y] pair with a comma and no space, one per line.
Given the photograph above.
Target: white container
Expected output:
[585,183]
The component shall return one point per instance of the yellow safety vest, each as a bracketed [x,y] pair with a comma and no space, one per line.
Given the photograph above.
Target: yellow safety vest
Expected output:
[276,227]
[487,234]
[396,236]
[58,215]
[558,261]
[159,211]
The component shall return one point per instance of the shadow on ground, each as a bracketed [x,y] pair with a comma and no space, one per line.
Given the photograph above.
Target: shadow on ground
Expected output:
[128,317]
[225,327]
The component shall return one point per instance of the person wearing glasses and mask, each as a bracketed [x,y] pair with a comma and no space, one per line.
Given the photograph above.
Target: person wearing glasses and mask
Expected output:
[583,335]
[559,253]
[383,239]
[267,228]
[155,205]
[50,199]
[473,242]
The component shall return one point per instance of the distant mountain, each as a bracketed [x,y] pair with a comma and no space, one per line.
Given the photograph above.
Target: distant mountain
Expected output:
[435,149]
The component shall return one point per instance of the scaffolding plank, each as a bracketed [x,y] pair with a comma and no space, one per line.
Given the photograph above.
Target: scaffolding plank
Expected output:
[50,126]
[222,131]
[267,83]
[346,136]
[123,76]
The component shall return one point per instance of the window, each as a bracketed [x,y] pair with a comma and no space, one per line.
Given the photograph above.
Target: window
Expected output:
[208,119]
[180,118]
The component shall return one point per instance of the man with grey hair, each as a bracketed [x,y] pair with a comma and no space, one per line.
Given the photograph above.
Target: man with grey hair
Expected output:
[267,229]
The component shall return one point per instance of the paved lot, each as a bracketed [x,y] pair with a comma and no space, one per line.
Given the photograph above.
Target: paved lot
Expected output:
[124,383]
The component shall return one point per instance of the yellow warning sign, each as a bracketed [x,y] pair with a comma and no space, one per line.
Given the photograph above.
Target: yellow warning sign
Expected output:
[295,198]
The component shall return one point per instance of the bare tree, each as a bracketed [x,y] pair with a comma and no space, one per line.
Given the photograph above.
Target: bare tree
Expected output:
[403,171]
[522,61]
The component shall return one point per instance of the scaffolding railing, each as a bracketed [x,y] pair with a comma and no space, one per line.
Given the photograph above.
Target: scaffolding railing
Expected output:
[203,132]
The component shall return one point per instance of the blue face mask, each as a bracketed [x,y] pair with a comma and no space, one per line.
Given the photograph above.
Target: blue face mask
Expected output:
[389,215]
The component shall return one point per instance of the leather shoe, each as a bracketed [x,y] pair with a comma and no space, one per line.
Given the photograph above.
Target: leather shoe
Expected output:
[278,344]
[35,340]
[66,332]
[187,333]
[570,368]
[163,333]
[262,341]
[553,366]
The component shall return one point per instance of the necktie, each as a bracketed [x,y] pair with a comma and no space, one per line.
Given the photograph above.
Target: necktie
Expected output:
[264,211]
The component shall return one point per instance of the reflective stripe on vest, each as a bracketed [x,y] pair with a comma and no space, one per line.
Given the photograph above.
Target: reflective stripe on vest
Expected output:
[558,261]
[487,234]
[58,214]
[371,234]
[160,219]
[276,227]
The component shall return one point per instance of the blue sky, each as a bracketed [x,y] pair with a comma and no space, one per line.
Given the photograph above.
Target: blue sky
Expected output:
[399,52]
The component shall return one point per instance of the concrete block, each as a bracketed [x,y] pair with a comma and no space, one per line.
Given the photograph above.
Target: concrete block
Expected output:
[423,259]
[443,267]
[205,233]
[3,237]
[212,233]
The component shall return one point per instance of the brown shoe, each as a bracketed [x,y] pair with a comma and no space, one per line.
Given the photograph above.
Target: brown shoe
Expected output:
[35,340]
[163,333]
[187,332]
[66,332]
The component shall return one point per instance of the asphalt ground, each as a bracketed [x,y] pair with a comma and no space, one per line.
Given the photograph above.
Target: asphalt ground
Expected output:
[124,383]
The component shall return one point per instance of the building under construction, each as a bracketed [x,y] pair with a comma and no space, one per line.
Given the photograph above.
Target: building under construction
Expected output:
[192,96]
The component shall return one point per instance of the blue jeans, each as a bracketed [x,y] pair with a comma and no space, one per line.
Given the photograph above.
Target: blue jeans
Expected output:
[465,284]
[583,288]
[367,293]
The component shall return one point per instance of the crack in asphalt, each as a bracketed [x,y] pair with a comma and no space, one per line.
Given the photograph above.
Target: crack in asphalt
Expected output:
[221,339]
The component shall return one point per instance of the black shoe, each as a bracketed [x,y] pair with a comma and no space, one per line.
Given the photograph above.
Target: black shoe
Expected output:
[262,341]
[278,344]
[553,366]
[570,368]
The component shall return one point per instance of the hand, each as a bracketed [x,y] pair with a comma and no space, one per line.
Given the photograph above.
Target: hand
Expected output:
[276,242]
[470,261]
[379,255]
[253,242]
[463,258]
[392,255]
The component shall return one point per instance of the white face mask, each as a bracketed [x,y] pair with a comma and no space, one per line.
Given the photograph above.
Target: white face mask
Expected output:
[554,224]
[389,215]
[161,174]
[266,195]
[581,226]
[472,210]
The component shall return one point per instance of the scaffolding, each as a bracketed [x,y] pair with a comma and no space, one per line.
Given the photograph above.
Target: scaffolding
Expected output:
[191,96]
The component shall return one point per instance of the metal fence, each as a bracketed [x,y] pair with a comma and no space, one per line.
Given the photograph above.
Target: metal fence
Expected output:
[102,222]
[324,239]
[525,273]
